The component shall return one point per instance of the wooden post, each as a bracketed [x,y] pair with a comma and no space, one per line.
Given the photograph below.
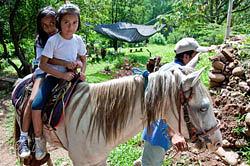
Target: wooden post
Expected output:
[229,18]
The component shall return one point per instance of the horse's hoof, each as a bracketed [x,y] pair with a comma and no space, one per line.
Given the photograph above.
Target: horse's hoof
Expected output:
[35,162]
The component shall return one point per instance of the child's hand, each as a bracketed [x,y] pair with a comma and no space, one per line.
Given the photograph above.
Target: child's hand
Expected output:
[82,76]
[68,76]
[71,65]
[78,64]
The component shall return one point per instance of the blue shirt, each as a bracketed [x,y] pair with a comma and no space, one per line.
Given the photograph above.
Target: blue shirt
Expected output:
[158,135]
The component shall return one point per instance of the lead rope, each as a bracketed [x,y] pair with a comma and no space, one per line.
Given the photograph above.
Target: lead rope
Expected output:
[145,75]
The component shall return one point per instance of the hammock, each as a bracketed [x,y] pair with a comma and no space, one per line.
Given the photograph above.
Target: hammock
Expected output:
[127,32]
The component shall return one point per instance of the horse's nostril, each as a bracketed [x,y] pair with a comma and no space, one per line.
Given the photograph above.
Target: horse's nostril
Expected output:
[218,144]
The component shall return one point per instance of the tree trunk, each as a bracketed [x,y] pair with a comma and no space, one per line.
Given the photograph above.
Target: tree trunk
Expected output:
[229,18]
[25,67]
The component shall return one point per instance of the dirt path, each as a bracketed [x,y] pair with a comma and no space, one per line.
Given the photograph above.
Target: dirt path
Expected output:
[7,152]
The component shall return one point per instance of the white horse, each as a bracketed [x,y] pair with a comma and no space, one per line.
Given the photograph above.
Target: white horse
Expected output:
[101,116]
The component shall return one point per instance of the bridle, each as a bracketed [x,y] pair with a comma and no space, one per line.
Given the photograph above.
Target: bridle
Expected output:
[195,135]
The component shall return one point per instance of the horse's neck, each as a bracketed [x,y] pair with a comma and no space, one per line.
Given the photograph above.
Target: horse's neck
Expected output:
[75,134]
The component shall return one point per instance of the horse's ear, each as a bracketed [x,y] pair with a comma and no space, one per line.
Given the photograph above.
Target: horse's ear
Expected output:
[191,79]
[194,61]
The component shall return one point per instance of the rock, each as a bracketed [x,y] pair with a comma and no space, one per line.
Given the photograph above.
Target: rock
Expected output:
[243,164]
[215,58]
[247,108]
[240,143]
[232,83]
[228,55]
[236,62]
[216,111]
[225,143]
[248,82]
[215,70]
[215,77]
[231,65]
[218,65]
[243,86]
[247,119]
[213,84]
[247,132]
[235,94]
[1,115]
[224,92]
[228,156]
[238,71]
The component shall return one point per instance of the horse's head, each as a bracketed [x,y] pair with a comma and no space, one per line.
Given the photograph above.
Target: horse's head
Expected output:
[177,95]
[197,110]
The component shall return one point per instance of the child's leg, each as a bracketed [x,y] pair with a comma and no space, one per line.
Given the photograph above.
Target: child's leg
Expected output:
[23,148]
[27,111]
[39,101]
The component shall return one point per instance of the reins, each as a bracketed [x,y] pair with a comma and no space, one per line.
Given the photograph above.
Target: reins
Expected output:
[193,133]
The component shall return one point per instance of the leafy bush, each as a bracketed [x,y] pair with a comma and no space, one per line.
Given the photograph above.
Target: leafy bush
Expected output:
[207,34]
[241,29]
[158,38]
[3,64]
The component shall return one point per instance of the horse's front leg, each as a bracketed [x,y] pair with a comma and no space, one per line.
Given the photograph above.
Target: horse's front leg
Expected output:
[49,162]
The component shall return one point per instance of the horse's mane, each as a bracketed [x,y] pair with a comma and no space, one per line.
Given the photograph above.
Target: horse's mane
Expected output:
[114,103]
[161,95]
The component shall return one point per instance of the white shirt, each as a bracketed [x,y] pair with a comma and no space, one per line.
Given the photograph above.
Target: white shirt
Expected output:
[60,48]
[39,50]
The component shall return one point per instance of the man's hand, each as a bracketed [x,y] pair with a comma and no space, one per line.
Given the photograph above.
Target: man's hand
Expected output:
[179,142]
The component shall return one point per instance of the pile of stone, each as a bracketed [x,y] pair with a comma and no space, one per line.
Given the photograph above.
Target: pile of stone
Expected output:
[230,88]
[228,72]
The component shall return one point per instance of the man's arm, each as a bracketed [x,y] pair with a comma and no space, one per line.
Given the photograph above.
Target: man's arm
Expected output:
[178,140]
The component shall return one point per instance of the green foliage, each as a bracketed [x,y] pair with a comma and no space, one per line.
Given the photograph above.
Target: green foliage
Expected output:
[158,38]
[62,161]
[28,44]
[244,51]
[3,64]
[207,34]
[240,129]
[246,153]
[126,154]
[242,28]
[210,33]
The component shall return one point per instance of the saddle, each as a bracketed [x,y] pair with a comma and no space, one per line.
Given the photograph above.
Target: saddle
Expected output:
[57,102]
[21,93]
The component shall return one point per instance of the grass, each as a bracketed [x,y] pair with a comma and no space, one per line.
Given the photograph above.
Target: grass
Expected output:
[127,153]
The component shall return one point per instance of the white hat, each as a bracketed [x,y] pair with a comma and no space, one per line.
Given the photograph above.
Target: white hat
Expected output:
[189,44]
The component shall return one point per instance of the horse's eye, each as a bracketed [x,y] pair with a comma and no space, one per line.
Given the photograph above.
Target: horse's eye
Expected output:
[203,109]
[205,105]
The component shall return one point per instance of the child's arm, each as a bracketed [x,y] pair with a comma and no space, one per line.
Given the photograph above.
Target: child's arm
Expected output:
[83,59]
[46,68]
[69,65]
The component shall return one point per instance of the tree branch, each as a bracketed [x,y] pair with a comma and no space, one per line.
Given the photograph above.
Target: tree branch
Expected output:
[243,9]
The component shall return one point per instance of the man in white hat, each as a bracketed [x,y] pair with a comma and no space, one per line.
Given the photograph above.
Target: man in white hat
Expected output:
[159,140]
